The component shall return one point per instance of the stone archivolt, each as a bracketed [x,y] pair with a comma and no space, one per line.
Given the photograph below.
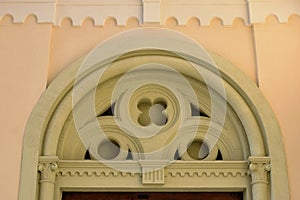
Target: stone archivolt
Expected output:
[247,129]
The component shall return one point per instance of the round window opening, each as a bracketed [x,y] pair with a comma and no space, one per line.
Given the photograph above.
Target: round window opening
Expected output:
[109,149]
[198,150]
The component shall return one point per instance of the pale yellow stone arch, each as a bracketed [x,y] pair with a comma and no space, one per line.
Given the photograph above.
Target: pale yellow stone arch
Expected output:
[43,132]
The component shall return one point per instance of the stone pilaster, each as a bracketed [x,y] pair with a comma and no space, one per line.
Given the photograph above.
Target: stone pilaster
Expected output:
[259,167]
[47,166]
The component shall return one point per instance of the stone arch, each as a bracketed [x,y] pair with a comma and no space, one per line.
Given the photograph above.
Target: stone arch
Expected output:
[47,121]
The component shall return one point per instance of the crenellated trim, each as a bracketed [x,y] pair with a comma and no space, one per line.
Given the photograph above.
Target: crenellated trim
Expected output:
[154,12]
[170,22]
[44,10]
[99,11]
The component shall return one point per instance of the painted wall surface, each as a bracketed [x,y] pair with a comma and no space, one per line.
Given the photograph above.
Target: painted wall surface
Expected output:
[33,54]
[24,61]
[233,42]
[278,50]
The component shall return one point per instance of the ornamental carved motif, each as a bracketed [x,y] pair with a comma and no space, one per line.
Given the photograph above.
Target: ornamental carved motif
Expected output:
[48,166]
[258,169]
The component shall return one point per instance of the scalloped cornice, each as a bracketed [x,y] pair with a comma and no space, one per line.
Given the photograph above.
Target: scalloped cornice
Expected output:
[177,169]
[149,11]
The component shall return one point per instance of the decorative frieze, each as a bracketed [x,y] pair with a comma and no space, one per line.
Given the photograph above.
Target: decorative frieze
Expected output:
[208,169]
[153,172]
[96,168]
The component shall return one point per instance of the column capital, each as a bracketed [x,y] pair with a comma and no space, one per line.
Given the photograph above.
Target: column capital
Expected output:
[48,166]
[258,169]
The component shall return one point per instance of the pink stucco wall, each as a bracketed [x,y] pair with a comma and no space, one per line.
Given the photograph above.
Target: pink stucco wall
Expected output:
[24,61]
[33,54]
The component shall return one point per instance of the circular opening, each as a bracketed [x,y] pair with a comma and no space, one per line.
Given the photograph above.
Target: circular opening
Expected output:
[157,115]
[109,149]
[198,150]
[144,104]
[144,120]
[152,113]
[161,102]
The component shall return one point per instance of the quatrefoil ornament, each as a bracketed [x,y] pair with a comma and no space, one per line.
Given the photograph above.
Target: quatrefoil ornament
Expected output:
[152,113]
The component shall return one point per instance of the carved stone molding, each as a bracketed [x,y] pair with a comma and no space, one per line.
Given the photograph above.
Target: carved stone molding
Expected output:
[96,168]
[154,177]
[207,169]
[176,169]
[258,169]
[48,167]
[153,171]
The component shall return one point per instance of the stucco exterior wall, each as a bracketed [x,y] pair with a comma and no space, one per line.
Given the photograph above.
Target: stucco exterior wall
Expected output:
[72,42]
[33,53]
[24,66]
[278,47]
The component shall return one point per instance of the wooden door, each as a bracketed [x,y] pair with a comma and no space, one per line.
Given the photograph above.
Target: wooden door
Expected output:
[152,196]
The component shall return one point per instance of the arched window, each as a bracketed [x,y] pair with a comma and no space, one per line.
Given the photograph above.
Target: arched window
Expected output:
[159,116]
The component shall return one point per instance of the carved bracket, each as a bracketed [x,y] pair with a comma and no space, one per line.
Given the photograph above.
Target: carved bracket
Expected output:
[153,171]
[258,169]
[48,166]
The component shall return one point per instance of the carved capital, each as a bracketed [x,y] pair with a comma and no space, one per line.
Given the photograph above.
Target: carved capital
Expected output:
[258,169]
[48,166]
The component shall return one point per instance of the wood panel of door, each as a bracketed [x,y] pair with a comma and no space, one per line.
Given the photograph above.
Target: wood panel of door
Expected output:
[152,196]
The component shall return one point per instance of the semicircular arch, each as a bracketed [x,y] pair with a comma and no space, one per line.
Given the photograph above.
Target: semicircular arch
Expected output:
[261,131]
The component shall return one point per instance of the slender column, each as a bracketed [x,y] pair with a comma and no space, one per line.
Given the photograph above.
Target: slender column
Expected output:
[48,166]
[258,169]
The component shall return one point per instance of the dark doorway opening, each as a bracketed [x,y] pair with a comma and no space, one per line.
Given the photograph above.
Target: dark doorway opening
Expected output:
[152,196]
